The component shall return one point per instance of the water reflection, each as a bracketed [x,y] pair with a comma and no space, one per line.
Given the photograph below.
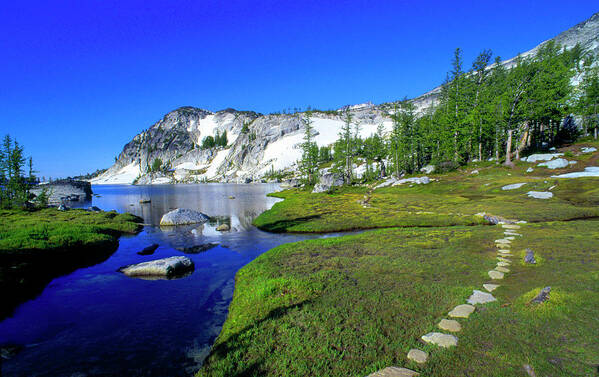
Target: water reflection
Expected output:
[96,321]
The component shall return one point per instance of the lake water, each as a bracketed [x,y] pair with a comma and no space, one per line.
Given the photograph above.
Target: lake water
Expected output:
[98,322]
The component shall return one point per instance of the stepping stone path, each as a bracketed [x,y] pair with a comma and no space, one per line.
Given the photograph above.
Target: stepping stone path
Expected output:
[418,356]
[462,311]
[450,325]
[490,287]
[440,339]
[479,297]
[394,372]
[495,275]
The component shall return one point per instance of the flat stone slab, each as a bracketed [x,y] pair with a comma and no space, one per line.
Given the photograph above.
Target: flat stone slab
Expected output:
[513,186]
[490,287]
[440,339]
[418,356]
[502,259]
[167,267]
[503,264]
[540,194]
[449,325]
[503,246]
[394,372]
[502,269]
[512,234]
[495,275]
[462,311]
[510,226]
[480,297]
[511,238]
[503,240]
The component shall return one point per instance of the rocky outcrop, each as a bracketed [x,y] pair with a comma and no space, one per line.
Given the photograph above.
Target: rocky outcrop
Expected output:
[66,190]
[167,268]
[182,216]
[327,181]
[258,146]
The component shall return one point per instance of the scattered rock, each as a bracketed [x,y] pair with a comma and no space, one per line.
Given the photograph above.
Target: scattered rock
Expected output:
[479,297]
[148,250]
[223,228]
[428,169]
[144,201]
[394,372]
[530,170]
[513,186]
[490,287]
[198,248]
[182,216]
[530,257]
[474,172]
[540,194]
[8,351]
[449,325]
[495,275]
[528,369]
[588,149]
[94,209]
[327,181]
[440,339]
[418,356]
[542,157]
[62,207]
[542,296]
[416,180]
[462,311]
[167,267]
[502,269]
[555,164]
[591,171]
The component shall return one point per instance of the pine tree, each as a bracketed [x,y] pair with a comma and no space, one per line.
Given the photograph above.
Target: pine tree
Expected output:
[309,161]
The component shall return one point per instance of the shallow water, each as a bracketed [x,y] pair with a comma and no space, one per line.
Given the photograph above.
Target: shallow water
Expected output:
[98,322]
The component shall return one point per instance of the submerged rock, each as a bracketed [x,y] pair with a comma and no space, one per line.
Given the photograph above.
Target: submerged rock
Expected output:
[8,351]
[167,267]
[198,248]
[149,250]
[182,216]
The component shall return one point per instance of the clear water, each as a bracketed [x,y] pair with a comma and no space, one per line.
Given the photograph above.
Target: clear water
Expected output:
[98,322]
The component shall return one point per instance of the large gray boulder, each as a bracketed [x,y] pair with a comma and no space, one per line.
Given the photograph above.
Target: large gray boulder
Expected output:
[555,164]
[182,216]
[167,267]
[328,180]
[542,157]
[65,190]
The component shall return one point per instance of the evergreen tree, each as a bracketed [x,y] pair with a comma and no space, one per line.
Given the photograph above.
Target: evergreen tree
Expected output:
[309,161]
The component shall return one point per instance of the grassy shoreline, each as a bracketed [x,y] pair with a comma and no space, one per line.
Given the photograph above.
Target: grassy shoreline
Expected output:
[37,246]
[354,304]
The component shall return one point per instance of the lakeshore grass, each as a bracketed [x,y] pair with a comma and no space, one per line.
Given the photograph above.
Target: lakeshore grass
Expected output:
[355,304]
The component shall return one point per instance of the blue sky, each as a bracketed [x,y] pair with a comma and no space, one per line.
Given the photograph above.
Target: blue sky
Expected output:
[80,78]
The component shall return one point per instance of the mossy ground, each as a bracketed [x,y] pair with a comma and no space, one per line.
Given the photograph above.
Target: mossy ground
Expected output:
[49,228]
[350,305]
[36,246]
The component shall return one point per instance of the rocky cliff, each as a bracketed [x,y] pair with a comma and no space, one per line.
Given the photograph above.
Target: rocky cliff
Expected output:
[171,150]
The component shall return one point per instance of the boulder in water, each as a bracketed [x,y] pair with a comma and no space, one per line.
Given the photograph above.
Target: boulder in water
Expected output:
[198,248]
[148,250]
[167,267]
[223,228]
[182,216]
